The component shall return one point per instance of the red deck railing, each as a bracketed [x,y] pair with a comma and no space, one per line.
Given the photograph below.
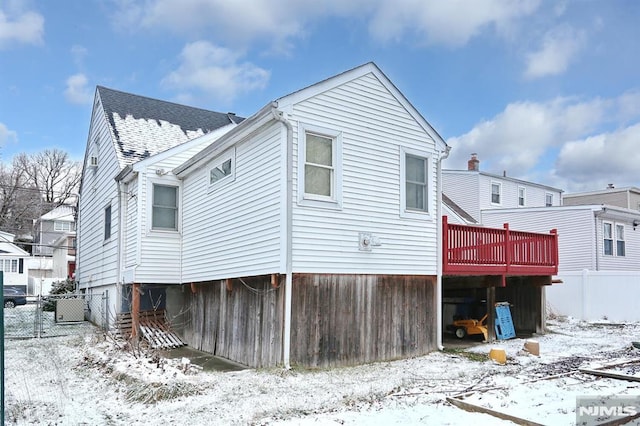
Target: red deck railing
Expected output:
[476,250]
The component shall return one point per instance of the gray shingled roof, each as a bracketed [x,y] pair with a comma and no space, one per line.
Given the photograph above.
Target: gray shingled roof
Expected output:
[144,126]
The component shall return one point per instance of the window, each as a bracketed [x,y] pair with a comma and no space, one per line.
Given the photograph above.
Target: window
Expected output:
[415,183]
[320,161]
[620,249]
[613,232]
[319,166]
[495,192]
[223,169]
[107,222]
[548,199]
[62,226]
[521,196]
[165,207]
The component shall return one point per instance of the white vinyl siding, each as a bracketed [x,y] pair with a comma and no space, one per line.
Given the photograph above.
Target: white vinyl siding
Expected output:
[373,125]
[577,243]
[235,231]
[97,260]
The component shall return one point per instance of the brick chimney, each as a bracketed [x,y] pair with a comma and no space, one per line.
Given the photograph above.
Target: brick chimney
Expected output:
[473,164]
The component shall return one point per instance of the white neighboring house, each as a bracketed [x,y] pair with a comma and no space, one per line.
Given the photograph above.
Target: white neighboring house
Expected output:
[475,191]
[308,233]
[13,262]
[599,249]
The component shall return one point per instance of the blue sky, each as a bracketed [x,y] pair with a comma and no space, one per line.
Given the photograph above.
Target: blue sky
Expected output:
[547,91]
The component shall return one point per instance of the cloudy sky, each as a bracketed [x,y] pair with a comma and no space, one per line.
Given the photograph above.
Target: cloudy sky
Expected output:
[547,91]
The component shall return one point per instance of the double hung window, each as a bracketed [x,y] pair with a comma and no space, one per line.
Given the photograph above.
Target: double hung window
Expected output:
[165,207]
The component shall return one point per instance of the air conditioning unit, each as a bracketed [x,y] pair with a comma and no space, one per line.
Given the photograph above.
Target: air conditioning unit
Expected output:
[69,310]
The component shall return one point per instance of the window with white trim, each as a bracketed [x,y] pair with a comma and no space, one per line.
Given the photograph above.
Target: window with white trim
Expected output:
[320,167]
[620,244]
[607,235]
[522,192]
[62,226]
[164,212]
[223,170]
[548,199]
[496,190]
[415,183]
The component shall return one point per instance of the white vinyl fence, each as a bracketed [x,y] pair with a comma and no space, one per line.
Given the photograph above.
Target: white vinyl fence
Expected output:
[596,295]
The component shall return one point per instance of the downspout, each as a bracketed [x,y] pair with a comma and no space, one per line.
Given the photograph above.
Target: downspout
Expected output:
[286,338]
[596,215]
[443,156]
[121,230]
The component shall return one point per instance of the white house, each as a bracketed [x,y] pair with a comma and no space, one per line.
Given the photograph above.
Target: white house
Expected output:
[599,250]
[308,233]
[475,191]
[13,262]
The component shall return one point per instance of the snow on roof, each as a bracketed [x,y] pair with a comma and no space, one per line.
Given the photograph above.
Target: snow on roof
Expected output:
[63,212]
[143,126]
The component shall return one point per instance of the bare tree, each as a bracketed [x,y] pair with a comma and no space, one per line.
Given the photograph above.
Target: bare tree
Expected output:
[53,173]
[20,201]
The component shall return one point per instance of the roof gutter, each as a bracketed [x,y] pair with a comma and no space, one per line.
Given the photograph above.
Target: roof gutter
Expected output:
[439,256]
[288,291]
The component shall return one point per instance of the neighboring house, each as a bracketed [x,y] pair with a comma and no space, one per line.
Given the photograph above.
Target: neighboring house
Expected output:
[473,190]
[13,262]
[64,256]
[51,226]
[599,250]
[622,197]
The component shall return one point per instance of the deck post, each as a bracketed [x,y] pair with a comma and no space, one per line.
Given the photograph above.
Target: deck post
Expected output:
[508,247]
[135,310]
[491,317]
[445,243]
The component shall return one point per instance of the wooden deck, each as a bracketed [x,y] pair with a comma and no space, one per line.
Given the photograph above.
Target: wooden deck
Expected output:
[477,250]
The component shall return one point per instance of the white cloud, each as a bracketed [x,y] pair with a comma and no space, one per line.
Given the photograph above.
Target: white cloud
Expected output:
[516,138]
[77,91]
[525,138]
[559,48]
[451,22]
[7,136]
[602,159]
[215,70]
[25,28]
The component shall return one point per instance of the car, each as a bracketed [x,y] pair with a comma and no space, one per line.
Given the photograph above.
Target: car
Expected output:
[14,297]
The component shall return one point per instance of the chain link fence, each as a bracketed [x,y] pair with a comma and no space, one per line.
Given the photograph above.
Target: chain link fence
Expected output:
[56,315]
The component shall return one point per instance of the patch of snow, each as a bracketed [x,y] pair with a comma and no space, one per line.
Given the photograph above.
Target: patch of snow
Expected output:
[91,379]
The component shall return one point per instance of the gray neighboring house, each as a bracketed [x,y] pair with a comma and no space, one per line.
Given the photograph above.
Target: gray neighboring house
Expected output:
[51,226]
[53,255]
[628,197]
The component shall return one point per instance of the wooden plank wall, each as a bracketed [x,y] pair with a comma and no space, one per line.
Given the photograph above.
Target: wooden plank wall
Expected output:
[526,301]
[352,319]
[243,323]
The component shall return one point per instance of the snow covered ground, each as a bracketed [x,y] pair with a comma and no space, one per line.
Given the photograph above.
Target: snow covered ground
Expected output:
[86,380]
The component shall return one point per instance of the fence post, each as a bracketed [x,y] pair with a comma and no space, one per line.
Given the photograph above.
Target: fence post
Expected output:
[584,294]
